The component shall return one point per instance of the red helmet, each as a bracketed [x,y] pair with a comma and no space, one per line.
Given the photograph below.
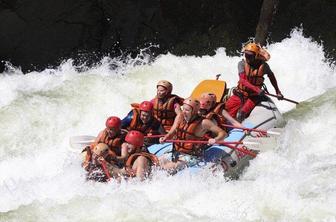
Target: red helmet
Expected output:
[113,122]
[146,106]
[135,138]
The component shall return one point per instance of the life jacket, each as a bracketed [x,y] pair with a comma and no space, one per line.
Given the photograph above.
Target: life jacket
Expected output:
[254,76]
[219,108]
[216,114]
[137,124]
[129,162]
[164,111]
[186,131]
[114,145]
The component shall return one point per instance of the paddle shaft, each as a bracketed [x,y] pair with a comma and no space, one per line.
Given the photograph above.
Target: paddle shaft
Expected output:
[227,144]
[155,136]
[244,128]
[201,142]
[242,150]
[289,100]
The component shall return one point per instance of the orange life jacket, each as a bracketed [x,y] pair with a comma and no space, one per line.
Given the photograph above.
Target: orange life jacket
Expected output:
[137,124]
[254,76]
[186,131]
[114,145]
[164,111]
[129,163]
[216,114]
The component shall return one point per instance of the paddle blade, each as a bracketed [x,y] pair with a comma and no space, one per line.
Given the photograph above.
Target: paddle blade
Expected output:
[275,131]
[262,133]
[78,143]
[216,87]
[263,144]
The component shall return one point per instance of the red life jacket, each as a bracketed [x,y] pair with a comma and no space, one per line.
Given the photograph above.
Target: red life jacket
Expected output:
[137,124]
[254,76]
[164,111]
[186,131]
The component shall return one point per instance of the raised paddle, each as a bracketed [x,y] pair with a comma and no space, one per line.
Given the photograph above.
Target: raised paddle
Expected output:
[227,144]
[289,100]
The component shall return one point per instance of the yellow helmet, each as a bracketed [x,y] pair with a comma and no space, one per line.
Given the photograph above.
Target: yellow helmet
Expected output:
[252,47]
[166,84]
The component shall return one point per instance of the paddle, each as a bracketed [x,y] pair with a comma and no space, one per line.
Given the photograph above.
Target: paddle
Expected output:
[227,144]
[254,130]
[78,143]
[155,136]
[289,100]
[265,143]
[206,142]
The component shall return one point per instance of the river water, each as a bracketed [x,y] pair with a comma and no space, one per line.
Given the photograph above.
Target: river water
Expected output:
[41,178]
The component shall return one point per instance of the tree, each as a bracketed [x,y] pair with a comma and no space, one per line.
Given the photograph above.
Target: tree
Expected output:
[268,9]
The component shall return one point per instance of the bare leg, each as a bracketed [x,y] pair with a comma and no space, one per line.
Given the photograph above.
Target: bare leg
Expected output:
[141,167]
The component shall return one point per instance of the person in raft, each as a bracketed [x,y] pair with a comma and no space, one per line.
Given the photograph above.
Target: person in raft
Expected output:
[189,126]
[141,118]
[166,105]
[249,91]
[112,136]
[212,110]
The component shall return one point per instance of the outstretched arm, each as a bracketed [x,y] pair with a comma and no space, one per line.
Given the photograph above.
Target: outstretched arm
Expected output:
[232,120]
[172,130]
[210,126]
[124,153]
[274,82]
